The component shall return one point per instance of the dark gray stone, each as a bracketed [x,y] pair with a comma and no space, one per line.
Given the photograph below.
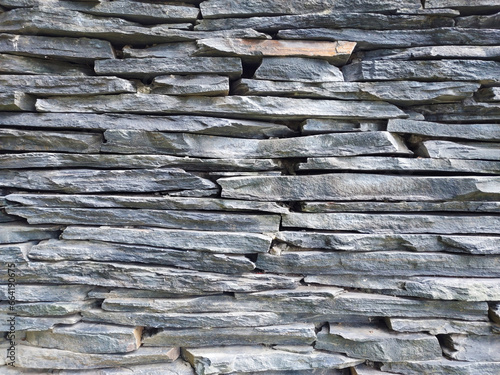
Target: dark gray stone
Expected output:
[20,232]
[178,367]
[443,366]
[472,348]
[494,312]
[462,150]
[489,94]
[47,293]
[469,111]
[464,5]
[436,52]
[47,308]
[207,85]
[16,101]
[13,64]
[170,50]
[480,21]
[298,69]
[15,253]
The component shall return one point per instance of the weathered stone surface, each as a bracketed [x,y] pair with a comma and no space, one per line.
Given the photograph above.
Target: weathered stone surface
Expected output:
[439,326]
[464,5]
[365,370]
[435,52]
[47,308]
[155,66]
[42,358]
[188,124]
[207,85]
[337,53]
[395,223]
[352,186]
[16,101]
[57,250]
[13,64]
[27,323]
[223,242]
[226,8]
[20,140]
[409,165]
[377,344]
[489,94]
[318,126]
[4,218]
[482,21]
[462,150]
[170,50]
[195,145]
[69,49]
[296,334]
[172,219]
[88,180]
[443,366]
[376,39]
[15,253]
[226,360]
[431,70]
[494,312]
[88,338]
[64,85]
[468,110]
[298,69]
[46,293]
[20,232]
[472,348]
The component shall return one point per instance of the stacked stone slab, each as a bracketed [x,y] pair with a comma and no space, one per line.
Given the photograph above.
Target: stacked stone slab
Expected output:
[247,187]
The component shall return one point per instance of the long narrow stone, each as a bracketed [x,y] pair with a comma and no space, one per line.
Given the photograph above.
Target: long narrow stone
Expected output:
[464,5]
[16,232]
[468,110]
[248,107]
[13,64]
[463,150]
[47,293]
[28,323]
[435,53]
[355,186]
[88,180]
[439,326]
[219,242]
[57,250]
[47,308]
[472,348]
[16,101]
[173,219]
[395,223]
[489,21]
[443,366]
[298,69]
[175,49]
[200,84]
[194,145]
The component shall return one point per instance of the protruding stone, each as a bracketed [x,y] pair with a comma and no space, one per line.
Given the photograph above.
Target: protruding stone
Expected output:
[443,366]
[207,85]
[12,64]
[439,326]
[298,69]
[16,101]
[462,150]
[47,293]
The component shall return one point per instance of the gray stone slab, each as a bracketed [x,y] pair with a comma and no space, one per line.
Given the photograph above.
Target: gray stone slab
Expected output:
[15,253]
[377,344]
[68,49]
[156,66]
[365,370]
[47,308]
[490,21]
[394,223]
[4,218]
[178,367]
[436,52]
[298,69]
[103,293]
[27,323]
[226,360]
[197,145]
[12,64]
[47,293]
[16,101]
[64,85]
[321,126]
[355,186]
[459,150]
[439,326]
[219,242]
[170,50]
[57,250]
[16,232]
[464,5]
[472,348]
[468,111]
[489,94]
[206,85]
[443,366]
[89,180]
[247,107]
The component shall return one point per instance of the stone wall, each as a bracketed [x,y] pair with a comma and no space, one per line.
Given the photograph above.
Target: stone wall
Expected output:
[250,187]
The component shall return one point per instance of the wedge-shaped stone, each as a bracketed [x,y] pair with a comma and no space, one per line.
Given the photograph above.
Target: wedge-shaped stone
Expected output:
[145,202]
[390,242]
[352,186]
[443,366]
[42,358]
[20,140]
[436,52]
[88,180]
[69,49]
[20,232]
[245,359]
[337,53]
[395,223]
[47,293]
[154,66]
[299,69]
[462,150]
[16,101]
[494,312]
[226,8]
[47,308]
[134,141]
[480,21]
[489,94]
[64,85]
[38,323]
[439,326]
[15,253]
[464,5]
[13,64]
[208,85]
[89,338]
[431,70]
[56,250]
[377,344]
[480,132]
[173,219]
[377,39]
[472,348]
[170,50]
[219,242]
[296,334]
[409,165]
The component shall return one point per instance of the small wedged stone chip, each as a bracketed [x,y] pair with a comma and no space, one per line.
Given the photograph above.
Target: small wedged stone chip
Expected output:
[16,101]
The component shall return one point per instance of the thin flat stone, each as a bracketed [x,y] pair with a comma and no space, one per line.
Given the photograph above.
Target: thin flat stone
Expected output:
[47,308]
[15,253]
[298,69]
[436,52]
[318,126]
[489,94]
[16,232]
[4,218]
[490,21]
[472,348]
[464,5]
[443,366]
[16,101]
[13,64]
[439,326]
[27,323]
[170,50]
[47,293]
[355,186]
[208,85]
[88,180]
[463,150]
[469,110]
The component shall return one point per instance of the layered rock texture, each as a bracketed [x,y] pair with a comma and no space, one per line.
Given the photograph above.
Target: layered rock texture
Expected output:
[250,187]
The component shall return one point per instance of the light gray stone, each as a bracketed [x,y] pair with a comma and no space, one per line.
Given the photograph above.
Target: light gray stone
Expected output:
[4,218]
[157,66]
[219,242]
[27,323]
[226,360]
[377,344]
[489,94]
[21,140]
[16,101]
[365,370]
[443,366]
[88,180]
[15,253]
[462,150]
[318,126]
[435,52]
[472,348]
[20,232]
[355,186]
[12,64]
[469,110]
[170,50]
[439,326]
[57,250]
[296,334]
[490,21]
[464,5]
[298,69]
[103,293]
[248,107]
[197,145]
[207,85]
[47,308]
[47,293]
[178,367]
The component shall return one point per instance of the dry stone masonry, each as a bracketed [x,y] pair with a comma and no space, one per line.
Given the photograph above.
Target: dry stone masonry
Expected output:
[208,187]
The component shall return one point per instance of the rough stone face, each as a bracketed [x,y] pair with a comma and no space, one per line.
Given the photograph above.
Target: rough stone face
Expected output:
[207,85]
[489,94]
[19,232]
[472,348]
[13,64]
[16,101]
[350,186]
[178,367]
[194,145]
[47,308]
[482,21]
[376,344]
[298,69]
[477,5]
[462,150]
[15,253]
[468,110]
[38,323]
[435,52]
[439,326]
[88,180]
[226,360]
[47,293]
[170,50]
[494,312]
[443,366]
